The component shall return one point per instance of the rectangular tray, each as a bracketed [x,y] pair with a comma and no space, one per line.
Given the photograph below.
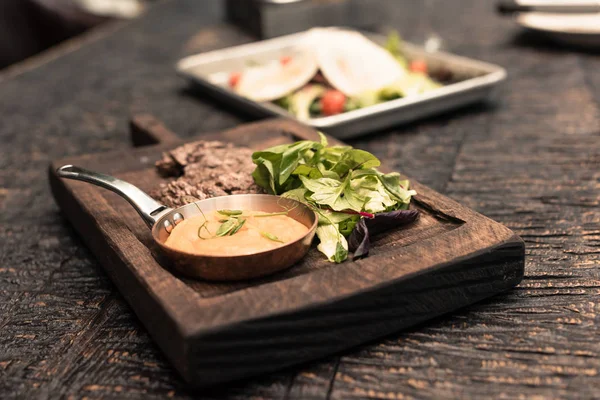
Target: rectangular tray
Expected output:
[217,332]
[475,81]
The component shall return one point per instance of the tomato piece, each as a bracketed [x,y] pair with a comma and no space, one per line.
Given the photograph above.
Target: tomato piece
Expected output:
[234,78]
[418,66]
[333,102]
[285,59]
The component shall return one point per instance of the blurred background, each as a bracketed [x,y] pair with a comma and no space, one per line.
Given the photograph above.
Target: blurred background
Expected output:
[30,26]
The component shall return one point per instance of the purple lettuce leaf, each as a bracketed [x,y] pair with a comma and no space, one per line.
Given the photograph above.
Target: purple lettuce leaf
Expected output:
[360,240]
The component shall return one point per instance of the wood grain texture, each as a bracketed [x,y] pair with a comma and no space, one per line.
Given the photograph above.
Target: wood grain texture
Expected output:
[531,162]
[217,332]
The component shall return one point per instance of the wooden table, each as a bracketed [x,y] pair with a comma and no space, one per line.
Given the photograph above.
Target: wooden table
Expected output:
[531,162]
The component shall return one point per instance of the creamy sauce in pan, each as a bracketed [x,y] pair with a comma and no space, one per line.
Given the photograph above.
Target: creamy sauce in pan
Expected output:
[197,235]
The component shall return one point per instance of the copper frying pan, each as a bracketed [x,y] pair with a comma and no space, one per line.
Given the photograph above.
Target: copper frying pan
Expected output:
[162,220]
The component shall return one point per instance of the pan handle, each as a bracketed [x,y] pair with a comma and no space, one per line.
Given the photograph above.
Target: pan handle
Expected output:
[148,208]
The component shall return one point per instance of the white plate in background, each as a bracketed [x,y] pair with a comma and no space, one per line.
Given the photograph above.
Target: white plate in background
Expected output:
[572,29]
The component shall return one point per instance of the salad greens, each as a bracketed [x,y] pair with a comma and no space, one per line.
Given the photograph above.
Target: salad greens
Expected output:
[311,101]
[341,184]
[393,45]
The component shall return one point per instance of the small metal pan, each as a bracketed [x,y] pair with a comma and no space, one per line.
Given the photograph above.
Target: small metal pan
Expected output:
[162,220]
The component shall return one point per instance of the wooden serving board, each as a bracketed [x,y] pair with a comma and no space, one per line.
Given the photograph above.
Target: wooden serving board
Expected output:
[216,332]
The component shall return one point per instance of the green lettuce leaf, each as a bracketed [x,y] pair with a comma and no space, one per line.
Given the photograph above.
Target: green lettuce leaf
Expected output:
[298,194]
[291,158]
[333,217]
[336,194]
[377,199]
[333,244]
[353,159]
[391,182]
[308,171]
[265,172]
[325,191]
[396,187]
[347,226]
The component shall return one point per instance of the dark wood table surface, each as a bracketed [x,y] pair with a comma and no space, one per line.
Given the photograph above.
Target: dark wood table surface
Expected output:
[532,162]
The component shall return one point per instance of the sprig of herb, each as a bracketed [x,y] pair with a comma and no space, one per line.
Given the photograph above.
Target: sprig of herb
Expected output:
[205,227]
[241,223]
[204,224]
[231,225]
[230,213]
[270,236]
[270,214]
[226,227]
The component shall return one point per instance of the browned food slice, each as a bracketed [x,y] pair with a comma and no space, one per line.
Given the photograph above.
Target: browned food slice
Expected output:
[205,169]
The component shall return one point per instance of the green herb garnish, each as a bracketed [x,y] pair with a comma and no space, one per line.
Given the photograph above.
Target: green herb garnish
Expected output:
[200,230]
[270,214]
[270,236]
[229,213]
[226,227]
[204,224]
[239,225]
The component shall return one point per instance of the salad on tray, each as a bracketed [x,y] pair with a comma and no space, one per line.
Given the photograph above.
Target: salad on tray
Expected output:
[333,71]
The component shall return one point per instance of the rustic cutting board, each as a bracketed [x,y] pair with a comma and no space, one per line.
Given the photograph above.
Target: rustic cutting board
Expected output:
[216,332]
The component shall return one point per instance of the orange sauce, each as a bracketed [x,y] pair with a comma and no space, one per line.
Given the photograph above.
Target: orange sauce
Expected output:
[197,235]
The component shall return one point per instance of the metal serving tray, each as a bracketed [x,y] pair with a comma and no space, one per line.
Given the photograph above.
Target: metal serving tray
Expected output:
[472,81]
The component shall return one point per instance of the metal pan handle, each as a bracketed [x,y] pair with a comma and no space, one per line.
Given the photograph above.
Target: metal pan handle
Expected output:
[146,206]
